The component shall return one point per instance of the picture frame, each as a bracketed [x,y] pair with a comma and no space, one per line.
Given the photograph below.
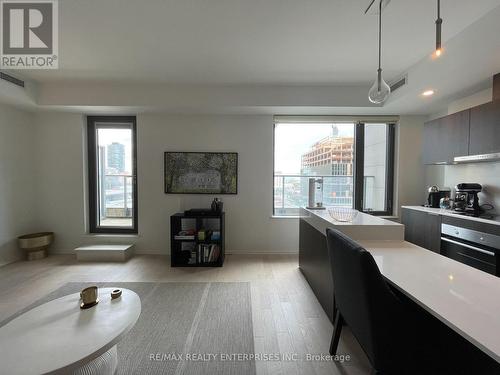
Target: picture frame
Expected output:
[200,172]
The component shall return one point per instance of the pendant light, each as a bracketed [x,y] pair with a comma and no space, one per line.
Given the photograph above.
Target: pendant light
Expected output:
[439,22]
[380,90]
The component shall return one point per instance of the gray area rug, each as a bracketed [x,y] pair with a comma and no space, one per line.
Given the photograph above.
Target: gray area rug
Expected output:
[210,322]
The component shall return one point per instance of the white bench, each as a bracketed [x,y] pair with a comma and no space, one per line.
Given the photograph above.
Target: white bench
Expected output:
[104,253]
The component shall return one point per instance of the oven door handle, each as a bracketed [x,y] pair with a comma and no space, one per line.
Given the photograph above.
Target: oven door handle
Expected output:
[491,253]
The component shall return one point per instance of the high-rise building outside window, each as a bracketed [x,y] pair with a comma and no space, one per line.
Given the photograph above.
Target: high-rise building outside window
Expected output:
[354,161]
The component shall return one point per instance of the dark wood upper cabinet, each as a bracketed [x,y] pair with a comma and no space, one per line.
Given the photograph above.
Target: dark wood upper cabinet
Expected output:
[485,129]
[446,137]
[496,86]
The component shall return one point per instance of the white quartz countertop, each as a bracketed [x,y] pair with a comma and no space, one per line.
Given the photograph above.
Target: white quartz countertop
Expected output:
[440,211]
[363,227]
[464,298]
[361,219]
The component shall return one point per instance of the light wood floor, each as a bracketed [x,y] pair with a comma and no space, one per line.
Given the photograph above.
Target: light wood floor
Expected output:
[287,318]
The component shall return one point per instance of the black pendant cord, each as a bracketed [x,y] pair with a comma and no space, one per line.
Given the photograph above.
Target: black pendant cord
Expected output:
[380,34]
[439,21]
[379,71]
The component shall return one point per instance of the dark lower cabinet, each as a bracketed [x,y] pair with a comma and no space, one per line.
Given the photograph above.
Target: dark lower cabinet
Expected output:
[422,228]
[314,263]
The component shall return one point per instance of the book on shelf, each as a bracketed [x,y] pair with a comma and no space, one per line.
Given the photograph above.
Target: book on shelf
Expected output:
[208,253]
[189,234]
[178,237]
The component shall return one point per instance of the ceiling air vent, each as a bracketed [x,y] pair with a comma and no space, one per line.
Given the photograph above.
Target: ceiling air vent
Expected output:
[398,83]
[9,78]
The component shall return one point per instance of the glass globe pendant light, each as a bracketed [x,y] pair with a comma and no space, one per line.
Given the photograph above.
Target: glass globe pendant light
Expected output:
[380,90]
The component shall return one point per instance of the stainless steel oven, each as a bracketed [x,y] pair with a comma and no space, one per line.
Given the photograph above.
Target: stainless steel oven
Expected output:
[476,249]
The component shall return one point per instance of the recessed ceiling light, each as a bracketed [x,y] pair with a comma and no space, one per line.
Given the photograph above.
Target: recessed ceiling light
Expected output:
[428,93]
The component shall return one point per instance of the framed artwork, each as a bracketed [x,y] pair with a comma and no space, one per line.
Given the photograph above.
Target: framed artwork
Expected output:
[201,173]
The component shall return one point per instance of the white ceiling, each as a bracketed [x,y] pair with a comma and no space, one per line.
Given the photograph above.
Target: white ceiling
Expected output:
[235,42]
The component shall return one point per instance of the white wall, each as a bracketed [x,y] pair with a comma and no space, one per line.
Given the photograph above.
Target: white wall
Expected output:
[375,166]
[487,174]
[409,166]
[17,182]
[250,228]
[478,98]
[44,185]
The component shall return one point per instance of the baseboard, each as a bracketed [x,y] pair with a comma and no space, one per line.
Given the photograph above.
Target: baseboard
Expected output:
[10,254]
[228,252]
[239,252]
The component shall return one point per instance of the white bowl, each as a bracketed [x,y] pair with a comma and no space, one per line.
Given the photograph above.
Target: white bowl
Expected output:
[343,214]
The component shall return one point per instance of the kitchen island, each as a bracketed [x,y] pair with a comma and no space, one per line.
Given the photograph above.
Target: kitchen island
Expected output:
[461,297]
[314,262]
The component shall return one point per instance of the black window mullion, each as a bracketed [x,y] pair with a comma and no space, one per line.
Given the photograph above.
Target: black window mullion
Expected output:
[92,174]
[391,141]
[359,163]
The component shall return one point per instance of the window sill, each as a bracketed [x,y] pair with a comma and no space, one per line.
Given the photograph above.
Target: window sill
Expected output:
[111,235]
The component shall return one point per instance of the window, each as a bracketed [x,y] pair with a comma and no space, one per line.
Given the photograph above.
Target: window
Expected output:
[112,171]
[352,163]
[378,157]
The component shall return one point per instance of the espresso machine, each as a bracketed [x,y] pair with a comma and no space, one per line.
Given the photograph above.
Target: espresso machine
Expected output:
[466,199]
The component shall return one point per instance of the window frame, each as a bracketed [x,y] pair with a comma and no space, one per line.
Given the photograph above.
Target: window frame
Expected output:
[358,167]
[112,122]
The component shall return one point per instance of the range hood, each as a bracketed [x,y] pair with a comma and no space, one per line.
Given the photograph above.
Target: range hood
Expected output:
[477,158]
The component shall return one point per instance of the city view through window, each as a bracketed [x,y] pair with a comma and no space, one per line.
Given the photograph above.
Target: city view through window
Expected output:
[303,151]
[115,188]
[326,152]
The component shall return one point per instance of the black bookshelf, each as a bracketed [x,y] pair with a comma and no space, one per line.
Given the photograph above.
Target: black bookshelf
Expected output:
[207,252]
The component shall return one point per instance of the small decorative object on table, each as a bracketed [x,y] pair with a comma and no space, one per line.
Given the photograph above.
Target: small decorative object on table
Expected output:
[343,214]
[89,297]
[116,294]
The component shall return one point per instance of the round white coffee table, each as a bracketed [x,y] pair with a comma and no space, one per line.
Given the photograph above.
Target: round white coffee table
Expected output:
[59,337]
